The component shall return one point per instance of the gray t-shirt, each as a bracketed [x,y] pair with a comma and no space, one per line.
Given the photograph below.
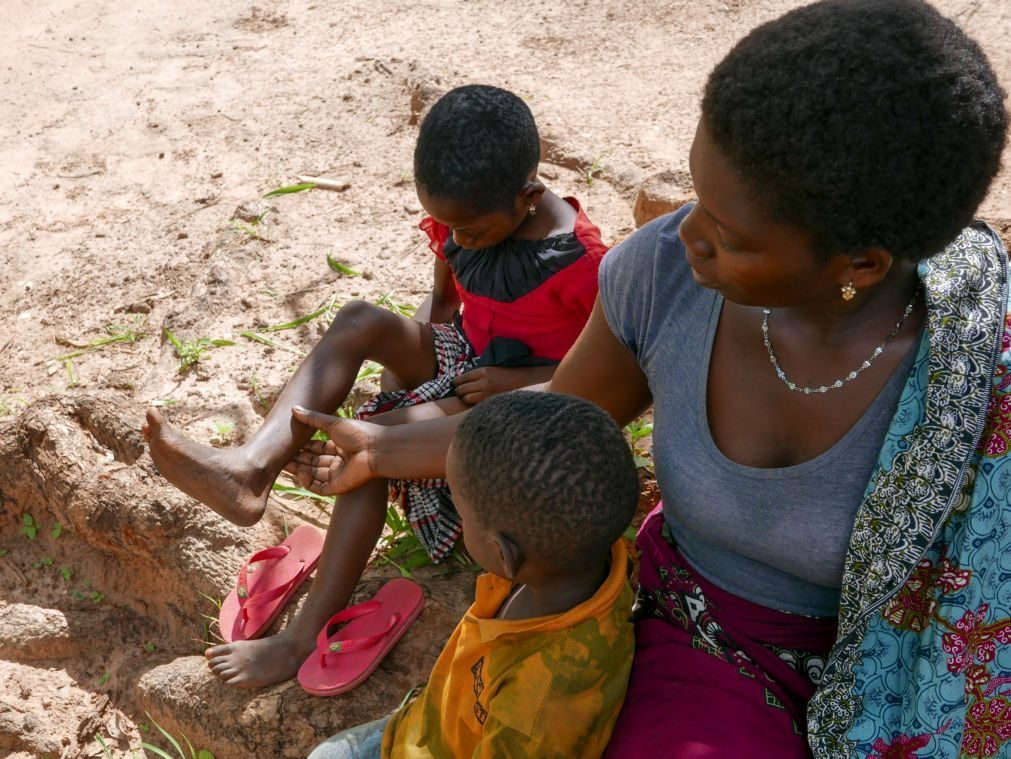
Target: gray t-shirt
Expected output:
[774,536]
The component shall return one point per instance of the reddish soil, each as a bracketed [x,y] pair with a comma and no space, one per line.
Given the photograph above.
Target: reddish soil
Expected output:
[133,133]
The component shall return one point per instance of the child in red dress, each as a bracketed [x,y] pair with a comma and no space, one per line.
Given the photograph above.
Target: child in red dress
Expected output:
[520,261]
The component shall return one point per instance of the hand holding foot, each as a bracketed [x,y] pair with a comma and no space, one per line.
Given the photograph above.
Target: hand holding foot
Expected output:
[339,465]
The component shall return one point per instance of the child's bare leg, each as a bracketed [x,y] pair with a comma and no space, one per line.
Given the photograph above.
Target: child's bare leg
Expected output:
[355,526]
[236,482]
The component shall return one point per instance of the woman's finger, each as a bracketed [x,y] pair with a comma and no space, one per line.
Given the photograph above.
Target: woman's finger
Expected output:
[313,418]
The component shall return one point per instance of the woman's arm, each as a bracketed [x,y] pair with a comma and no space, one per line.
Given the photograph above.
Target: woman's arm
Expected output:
[598,367]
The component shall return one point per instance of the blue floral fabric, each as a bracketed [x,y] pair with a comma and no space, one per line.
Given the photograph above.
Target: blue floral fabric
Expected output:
[922,664]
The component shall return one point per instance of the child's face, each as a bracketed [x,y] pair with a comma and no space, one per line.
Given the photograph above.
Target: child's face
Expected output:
[478,540]
[472,230]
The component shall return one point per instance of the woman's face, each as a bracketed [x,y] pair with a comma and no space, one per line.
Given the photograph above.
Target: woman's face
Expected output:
[735,248]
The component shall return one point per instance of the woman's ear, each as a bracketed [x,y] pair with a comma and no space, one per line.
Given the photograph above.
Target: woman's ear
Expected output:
[509,554]
[867,268]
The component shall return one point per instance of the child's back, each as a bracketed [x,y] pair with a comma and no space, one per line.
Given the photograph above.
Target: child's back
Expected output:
[538,667]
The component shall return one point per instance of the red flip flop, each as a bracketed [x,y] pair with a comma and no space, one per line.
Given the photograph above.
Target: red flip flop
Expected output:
[344,660]
[262,591]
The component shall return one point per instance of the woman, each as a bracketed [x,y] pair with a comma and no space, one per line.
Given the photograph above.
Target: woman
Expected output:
[822,336]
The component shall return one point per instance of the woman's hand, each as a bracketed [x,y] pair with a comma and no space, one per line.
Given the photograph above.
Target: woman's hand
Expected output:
[338,465]
[482,383]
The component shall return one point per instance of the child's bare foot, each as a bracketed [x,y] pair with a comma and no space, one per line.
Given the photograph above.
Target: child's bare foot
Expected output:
[256,663]
[225,480]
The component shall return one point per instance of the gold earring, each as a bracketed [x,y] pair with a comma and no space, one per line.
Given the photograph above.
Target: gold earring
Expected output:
[532,210]
[848,291]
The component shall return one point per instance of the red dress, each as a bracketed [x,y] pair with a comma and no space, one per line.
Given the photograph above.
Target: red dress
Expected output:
[537,292]
[524,303]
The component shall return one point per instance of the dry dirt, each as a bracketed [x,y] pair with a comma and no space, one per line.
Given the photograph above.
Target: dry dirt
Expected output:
[133,131]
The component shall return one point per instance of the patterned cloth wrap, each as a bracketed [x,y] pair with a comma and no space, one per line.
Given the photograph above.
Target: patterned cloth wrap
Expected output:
[427,503]
[702,654]
[922,663]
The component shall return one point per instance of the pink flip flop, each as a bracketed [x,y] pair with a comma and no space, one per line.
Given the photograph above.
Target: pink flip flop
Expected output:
[262,591]
[344,660]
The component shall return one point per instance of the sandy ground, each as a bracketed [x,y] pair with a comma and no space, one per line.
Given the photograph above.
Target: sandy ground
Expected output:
[132,133]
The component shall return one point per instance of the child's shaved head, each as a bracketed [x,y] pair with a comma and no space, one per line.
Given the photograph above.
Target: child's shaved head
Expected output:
[477,144]
[552,472]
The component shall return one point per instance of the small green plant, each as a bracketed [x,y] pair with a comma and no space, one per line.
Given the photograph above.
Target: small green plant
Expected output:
[389,302]
[165,402]
[7,405]
[46,562]
[290,189]
[211,635]
[254,386]
[67,573]
[636,431]
[257,335]
[29,526]
[105,747]
[162,754]
[369,370]
[149,648]
[191,352]
[223,432]
[96,597]
[73,380]
[3,552]
[57,531]
[402,549]
[77,595]
[103,679]
[340,268]
[115,333]
[596,168]
[249,230]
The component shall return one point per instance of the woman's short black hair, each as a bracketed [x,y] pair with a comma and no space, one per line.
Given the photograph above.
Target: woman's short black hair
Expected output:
[553,472]
[863,122]
[477,144]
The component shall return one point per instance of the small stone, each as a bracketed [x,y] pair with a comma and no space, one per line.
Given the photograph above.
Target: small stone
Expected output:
[661,194]
[412,208]
[253,211]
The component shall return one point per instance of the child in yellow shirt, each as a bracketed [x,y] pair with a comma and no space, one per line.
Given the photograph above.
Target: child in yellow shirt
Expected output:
[545,485]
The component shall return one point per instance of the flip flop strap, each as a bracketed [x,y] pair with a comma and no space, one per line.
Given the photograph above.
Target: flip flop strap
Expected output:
[247,601]
[242,584]
[325,646]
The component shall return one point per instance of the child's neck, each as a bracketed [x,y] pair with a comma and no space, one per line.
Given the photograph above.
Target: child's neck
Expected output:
[554,595]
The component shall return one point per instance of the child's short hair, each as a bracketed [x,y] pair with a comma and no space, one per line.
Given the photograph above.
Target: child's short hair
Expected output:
[863,122]
[553,472]
[477,144]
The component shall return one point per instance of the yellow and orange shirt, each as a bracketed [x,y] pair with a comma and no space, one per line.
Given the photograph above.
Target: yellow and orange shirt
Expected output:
[543,687]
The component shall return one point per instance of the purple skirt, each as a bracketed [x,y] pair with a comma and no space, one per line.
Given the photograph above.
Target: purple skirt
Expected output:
[714,675]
